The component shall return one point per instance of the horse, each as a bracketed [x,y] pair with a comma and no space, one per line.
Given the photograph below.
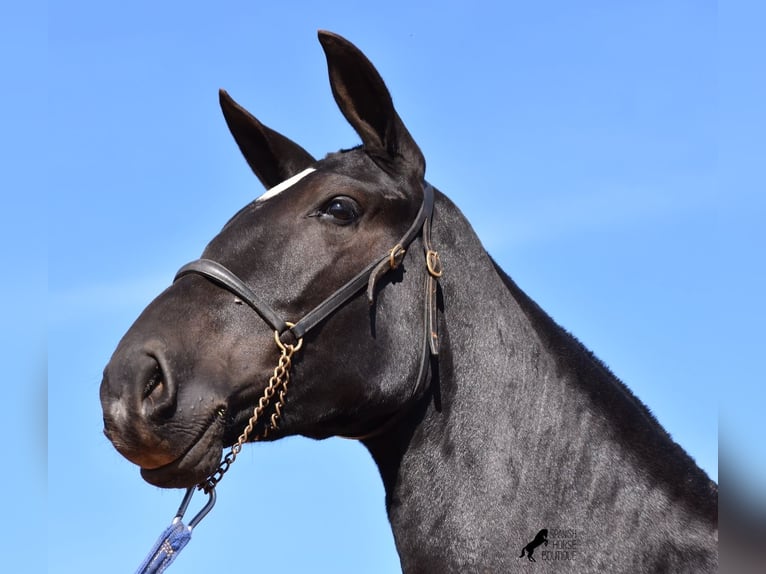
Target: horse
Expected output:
[540,538]
[389,323]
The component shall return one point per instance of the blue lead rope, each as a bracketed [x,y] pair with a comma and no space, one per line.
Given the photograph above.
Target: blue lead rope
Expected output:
[164,551]
[174,537]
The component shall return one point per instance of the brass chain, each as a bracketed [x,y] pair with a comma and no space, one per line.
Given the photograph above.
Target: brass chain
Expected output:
[277,386]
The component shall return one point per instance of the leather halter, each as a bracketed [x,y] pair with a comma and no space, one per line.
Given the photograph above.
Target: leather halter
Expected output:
[368,276]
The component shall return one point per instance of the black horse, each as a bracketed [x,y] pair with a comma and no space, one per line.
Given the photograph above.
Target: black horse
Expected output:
[540,538]
[406,335]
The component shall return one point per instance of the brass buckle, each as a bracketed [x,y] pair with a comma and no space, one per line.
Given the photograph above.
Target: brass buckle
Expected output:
[396,255]
[434,264]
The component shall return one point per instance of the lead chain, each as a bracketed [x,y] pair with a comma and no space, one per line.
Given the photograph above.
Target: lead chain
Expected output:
[277,385]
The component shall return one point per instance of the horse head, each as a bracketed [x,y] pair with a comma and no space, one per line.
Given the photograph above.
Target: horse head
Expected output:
[186,377]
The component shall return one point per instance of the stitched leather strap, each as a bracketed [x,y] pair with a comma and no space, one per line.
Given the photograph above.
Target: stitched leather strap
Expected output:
[220,275]
[434,269]
[370,275]
[395,256]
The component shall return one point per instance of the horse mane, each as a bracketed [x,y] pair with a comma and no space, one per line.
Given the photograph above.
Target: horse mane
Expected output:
[569,350]
[664,459]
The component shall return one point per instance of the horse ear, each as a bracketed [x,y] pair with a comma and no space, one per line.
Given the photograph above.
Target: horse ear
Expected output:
[272,157]
[366,103]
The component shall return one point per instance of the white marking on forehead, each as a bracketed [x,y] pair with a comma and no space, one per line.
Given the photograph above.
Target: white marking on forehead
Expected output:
[279,188]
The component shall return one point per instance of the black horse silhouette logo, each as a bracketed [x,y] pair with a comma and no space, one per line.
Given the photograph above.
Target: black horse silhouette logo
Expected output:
[541,538]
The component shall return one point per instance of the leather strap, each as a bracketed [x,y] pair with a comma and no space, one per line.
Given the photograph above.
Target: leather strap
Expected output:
[370,275]
[395,256]
[435,270]
[220,275]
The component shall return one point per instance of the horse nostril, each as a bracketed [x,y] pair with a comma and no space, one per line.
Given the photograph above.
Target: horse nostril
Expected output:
[154,383]
[158,393]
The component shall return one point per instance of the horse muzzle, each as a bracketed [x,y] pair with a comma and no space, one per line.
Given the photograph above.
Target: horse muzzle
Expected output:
[176,438]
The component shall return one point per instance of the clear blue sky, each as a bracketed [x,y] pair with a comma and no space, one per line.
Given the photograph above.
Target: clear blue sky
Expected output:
[582,139]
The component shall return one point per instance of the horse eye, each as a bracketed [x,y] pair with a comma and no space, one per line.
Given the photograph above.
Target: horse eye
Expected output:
[342,209]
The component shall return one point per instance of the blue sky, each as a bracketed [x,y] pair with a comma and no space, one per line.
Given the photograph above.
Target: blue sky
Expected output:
[583,140]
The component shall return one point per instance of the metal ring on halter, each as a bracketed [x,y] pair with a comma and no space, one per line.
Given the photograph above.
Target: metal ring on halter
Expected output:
[281,345]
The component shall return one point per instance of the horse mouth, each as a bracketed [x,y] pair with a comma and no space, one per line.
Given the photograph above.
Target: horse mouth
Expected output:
[197,462]
[203,454]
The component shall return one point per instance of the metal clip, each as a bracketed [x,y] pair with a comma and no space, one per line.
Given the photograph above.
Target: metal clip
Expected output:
[201,514]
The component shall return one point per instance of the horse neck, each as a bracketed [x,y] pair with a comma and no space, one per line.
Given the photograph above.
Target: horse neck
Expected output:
[521,428]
